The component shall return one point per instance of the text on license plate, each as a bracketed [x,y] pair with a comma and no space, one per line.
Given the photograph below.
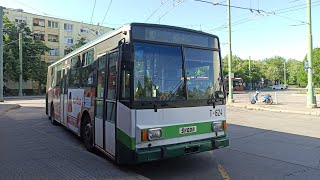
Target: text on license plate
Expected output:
[186,130]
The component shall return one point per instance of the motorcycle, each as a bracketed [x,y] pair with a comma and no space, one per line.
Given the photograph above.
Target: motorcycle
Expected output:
[265,98]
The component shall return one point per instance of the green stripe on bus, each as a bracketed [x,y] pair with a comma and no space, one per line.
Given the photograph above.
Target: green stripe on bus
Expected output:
[174,131]
[126,140]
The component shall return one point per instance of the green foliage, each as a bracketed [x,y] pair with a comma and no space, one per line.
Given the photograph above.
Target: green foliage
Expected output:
[302,78]
[11,65]
[292,67]
[316,66]
[31,52]
[274,69]
[80,42]
[241,69]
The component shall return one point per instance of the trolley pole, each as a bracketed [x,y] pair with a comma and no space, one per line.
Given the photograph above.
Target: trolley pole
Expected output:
[1,54]
[284,73]
[20,60]
[230,98]
[310,98]
[250,73]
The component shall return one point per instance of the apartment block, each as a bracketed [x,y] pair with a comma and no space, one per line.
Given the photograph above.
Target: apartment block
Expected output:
[58,34]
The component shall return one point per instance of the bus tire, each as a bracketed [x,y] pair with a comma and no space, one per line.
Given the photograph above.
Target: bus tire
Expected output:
[87,133]
[53,120]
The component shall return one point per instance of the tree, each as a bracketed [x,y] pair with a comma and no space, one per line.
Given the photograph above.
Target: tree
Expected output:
[316,66]
[11,65]
[293,67]
[273,69]
[32,49]
[302,78]
[31,54]
[241,69]
[80,42]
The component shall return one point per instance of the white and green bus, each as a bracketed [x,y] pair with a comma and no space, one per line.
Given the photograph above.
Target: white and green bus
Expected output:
[142,92]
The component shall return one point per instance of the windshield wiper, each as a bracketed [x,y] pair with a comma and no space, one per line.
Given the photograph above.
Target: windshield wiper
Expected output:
[176,90]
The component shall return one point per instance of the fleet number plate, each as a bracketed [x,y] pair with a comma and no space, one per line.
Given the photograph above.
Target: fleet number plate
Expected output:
[186,130]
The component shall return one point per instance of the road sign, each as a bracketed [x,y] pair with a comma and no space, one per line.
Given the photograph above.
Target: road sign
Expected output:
[306,64]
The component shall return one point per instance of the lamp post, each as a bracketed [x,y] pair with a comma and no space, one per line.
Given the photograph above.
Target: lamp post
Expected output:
[310,98]
[230,98]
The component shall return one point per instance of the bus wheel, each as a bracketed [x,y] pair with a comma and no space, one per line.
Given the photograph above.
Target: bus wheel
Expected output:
[53,120]
[87,134]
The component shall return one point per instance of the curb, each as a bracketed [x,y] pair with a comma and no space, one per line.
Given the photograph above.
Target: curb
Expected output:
[10,109]
[275,110]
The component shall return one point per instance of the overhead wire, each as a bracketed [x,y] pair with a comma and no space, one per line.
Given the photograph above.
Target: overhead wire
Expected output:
[174,6]
[32,8]
[156,10]
[94,6]
[105,15]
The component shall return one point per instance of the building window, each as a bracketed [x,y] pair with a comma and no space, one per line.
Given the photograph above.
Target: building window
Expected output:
[20,19]
[38,22]
[68,27]
[53,38]
[87,58]
[53,24]
[84,30]
[53,52]
[98,32]
[38,36]
[68,40]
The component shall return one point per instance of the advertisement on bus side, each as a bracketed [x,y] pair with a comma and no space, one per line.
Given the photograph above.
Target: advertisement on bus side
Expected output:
[75,101]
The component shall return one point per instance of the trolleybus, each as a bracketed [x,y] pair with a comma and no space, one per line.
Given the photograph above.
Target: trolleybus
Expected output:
[142,92]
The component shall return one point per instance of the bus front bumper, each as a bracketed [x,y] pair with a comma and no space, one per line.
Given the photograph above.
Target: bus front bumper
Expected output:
[169,151]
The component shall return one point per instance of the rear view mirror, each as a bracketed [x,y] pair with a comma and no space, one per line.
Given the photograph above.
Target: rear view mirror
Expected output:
[219,94]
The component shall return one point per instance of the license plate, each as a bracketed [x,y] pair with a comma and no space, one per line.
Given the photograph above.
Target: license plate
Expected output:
[187,130]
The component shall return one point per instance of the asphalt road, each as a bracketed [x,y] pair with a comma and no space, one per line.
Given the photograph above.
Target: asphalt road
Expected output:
[264,145]
[32,148]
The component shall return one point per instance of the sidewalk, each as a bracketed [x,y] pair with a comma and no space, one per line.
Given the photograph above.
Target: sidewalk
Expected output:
[284,102]
[7,106]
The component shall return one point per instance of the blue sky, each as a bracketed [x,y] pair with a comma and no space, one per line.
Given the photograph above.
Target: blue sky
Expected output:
[260,36]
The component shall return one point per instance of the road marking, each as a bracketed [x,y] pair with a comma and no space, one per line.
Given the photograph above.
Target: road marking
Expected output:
[223,172]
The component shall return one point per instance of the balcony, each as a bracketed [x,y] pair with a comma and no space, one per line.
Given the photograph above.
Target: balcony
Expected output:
[39,22]
[53,38]
[38,36]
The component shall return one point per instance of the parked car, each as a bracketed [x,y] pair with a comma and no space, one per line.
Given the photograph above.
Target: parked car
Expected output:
[280,86]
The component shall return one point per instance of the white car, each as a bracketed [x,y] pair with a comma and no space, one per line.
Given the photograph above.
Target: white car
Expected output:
[280,86]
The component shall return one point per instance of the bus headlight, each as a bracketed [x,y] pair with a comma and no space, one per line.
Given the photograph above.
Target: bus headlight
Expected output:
[217,126]
[154,134]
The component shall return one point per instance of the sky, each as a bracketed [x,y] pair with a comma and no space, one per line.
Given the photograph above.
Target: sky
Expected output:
[280,29]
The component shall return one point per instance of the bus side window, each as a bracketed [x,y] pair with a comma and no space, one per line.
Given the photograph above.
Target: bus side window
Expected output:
[52,77]
[125,84]
[74,75]
[87,76]
[58,83]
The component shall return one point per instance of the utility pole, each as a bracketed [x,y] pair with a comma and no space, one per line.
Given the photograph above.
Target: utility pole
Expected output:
[230,98]
[310,98]
[250,73]
[285,73]
[1,54]
[20,59]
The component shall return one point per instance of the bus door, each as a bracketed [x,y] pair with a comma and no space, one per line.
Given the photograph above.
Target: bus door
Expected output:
[99,102]
[63,96]
[105,129]
[110,102]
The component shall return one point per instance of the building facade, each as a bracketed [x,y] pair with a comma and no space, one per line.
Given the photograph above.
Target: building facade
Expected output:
[57,34]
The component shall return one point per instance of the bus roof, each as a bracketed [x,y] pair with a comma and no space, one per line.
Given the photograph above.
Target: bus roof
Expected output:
[123,28]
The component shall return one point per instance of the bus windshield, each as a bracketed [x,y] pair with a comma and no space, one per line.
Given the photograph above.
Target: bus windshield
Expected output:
[159,73]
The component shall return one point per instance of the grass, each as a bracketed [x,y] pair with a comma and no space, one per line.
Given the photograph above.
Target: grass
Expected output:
[317,91]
